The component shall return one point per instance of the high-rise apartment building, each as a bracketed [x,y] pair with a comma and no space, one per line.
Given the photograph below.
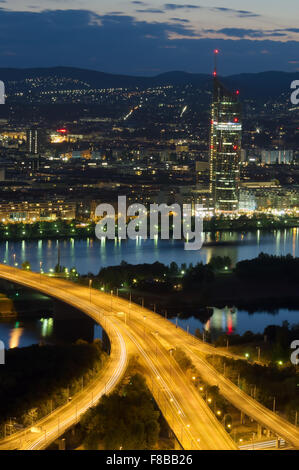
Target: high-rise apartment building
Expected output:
[34,140]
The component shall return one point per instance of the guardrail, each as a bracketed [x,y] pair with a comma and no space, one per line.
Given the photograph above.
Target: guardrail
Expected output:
[277,443]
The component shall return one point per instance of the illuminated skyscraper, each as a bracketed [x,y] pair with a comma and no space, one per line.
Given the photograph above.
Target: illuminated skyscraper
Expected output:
[35,139]
[225,147]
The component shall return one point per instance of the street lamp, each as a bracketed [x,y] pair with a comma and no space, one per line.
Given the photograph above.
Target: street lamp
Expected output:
[40,270]
[258,353]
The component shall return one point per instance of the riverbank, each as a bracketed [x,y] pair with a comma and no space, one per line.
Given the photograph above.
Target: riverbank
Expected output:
[75,229]
[226,290]
[266,282]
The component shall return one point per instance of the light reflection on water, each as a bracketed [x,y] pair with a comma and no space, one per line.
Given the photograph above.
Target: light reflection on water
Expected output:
[231,321]
[90,255]
[17,334]
[14,337]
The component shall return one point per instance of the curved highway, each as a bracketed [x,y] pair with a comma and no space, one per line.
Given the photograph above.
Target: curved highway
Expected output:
[54,425]
[129,328]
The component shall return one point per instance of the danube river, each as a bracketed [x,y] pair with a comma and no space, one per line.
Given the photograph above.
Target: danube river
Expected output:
[91,255]
[47,330]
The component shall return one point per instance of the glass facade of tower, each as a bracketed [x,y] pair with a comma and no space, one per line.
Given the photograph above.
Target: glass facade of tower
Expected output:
[225,148]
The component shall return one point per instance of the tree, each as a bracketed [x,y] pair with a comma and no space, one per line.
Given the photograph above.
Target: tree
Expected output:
[125,419]
[26,265]
[174,269]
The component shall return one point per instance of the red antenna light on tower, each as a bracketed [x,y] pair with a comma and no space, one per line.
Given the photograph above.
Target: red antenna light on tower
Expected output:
[216,52]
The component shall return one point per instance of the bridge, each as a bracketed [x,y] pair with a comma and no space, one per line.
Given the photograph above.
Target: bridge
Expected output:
[133,329]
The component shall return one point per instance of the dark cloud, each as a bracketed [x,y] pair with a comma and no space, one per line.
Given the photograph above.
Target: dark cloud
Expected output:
[150,10]
[123,44]
[240,13]
[243,32]
[174,6]
[180,20]
[290,30]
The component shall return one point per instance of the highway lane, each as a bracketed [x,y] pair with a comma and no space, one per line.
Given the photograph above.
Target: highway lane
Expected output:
[49,428]
[194,424]
[176,337]
[150,322]
[190,418]
[262,415]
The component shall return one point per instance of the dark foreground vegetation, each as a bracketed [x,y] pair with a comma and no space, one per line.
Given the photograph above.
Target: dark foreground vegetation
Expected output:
[273,385]
[273,346]
[38,379]
[264,282]
[127,419]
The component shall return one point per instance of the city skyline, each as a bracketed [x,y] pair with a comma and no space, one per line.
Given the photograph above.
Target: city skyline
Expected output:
[149,228]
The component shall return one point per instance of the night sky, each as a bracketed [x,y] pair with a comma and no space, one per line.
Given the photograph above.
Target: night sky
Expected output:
[147,38]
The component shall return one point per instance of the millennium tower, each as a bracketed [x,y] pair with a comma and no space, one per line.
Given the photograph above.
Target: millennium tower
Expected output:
[225,147]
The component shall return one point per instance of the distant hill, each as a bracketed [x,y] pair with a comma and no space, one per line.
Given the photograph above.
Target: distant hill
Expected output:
[251,85]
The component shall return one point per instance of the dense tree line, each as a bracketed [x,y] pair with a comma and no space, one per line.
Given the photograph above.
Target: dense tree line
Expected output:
[276,338]
[260,221]
[158,276]
[264,382]
[38,379]
[46,229]
[236,340]
[73,229]
[127,419]
[269,267]
[129,275]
